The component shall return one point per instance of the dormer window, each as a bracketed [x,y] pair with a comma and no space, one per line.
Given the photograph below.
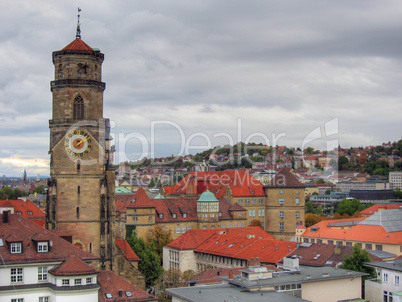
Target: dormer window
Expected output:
[16,248]
[174,215]
[160,215]
[184,215]
[43,247]
[30,213]
[109,296]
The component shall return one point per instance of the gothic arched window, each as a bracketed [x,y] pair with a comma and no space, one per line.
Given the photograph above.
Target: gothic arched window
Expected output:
[78,108]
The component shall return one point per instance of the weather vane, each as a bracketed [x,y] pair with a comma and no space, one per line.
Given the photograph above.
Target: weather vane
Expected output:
[78,35]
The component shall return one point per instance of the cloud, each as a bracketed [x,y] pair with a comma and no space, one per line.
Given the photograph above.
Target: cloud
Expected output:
[279,66]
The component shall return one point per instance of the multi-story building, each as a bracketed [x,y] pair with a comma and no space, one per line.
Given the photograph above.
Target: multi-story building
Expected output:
[285,205]
[395,179]
[382,231]
[198,250]
[38,265]
[294,283]
[387,287]
[25,208]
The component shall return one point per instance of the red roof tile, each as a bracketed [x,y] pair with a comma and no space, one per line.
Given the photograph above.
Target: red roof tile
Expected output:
[241,183]
[285,179]
[78,44]
[268,250]
[25,230]
[379,207]
[73,266]
[25,208]
[111,283]
[123,245]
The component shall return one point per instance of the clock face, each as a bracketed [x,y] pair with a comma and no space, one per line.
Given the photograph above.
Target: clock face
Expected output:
[78,143]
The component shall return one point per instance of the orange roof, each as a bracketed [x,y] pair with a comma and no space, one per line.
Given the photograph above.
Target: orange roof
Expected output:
[78,44]
[73,266]
[26,209]
[378,207]
[268,250]
[123,245]
[359,232]
[241,183]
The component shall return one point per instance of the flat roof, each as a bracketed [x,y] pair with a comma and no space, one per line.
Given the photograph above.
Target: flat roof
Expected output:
[228,293]
[305,274]
[393,265]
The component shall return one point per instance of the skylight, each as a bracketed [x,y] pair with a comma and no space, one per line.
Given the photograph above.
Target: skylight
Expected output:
[129,294]
[109,296]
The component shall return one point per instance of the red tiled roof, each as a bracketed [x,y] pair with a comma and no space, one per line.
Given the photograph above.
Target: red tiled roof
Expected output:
[285,179]
[240,247]
[78,44]
[236,207]
[379,207]
[241,183]
[25,207]
[123,245]
[111,283]
[73,266]
[361,233]
[25,230]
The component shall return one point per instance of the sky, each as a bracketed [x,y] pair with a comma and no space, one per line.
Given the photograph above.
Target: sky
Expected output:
[185,76]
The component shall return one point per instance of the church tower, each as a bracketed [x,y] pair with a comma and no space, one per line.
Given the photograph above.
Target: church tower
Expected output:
[81,186]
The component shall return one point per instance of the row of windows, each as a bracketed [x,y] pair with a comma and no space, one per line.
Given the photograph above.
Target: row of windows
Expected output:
[182,229]
[41,299]
[281,191]
[368,246]
[221,259]
[385,279]
[253,201]
[282,214]
[77,281]
[17,276]
[282,200]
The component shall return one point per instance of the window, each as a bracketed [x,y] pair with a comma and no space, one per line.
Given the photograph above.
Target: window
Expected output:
[385,277]
[212,215]
[16,248]
[65,282]
[251,213]
[229,226]
[235,225]
[261,201]
[238,213]
[129,294]
[297,201]
[30,213]
[89,280]
[150,219]
[43,299]
[369,246]
[160,215]
[281,214]
[173,215]
[184,215]
[254,200]
[378,247]
[17,300]
[297,191]
[247,201]
[78,108]
[281,191]
[281,226]
[43,247]
[220,214]
[42,273]
[396,280]
[204,227]
[331,242]
[240,225]
[348,243]
[183,229]
[178,230]
[339,243]
[281,200]
[77,281]
[297,214]
[78,212]
[16,275]
[109,296]
[188,228]
[79,190]
[135,219]
[240,201]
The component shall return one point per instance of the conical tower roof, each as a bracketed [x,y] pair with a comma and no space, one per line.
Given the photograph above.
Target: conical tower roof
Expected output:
[78,44]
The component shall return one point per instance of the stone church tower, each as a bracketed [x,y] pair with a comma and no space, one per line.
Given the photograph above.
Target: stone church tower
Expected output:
[81,187]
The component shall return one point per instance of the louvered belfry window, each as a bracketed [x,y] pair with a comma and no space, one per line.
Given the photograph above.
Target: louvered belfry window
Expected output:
[79,108]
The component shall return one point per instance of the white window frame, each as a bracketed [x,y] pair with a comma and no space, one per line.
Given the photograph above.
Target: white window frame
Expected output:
[281,214]
[281,226]
[17,300]
[297,201]
[44,299]
[89,280]
[16,248]
[385,278]
[174,215]
[42,273]
[281,200]
[178,230]
[183,229]
[65,282]
[78,281]
[43,247]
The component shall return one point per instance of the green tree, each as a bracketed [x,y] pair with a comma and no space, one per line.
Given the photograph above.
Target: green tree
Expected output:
[355,262]
[309,208]
[169,279]
[256,222]
[40,189]
[342,161]
[159,238]
[349,207]
[150,264]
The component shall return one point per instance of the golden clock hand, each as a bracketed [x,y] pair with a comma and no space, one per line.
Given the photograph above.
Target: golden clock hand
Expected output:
[82,141]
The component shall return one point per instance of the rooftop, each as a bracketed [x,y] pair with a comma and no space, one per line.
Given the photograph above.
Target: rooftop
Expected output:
[393,265]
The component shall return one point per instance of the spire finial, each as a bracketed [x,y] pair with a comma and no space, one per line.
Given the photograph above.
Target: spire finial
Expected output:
[78,35]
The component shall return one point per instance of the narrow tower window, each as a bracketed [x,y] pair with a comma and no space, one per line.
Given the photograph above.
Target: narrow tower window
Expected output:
[78,108]
[79,190]
[78,167]
[78,212]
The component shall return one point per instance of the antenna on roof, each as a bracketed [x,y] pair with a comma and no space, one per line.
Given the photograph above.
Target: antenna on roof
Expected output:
[78,35]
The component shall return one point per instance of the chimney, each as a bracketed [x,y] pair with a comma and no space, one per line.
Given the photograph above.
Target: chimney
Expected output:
[5,217]
[254,262]
[120,293]
[230,275]
[191,187]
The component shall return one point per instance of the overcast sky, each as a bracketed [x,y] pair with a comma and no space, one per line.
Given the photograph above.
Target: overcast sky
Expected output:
[207,72]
